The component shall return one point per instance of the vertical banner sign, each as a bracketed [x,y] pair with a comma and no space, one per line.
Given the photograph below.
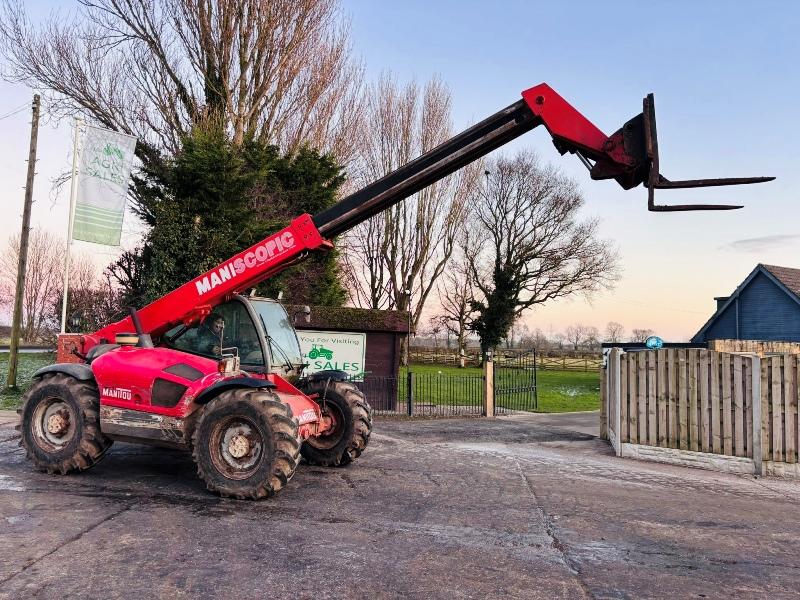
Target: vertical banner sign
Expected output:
[105,167]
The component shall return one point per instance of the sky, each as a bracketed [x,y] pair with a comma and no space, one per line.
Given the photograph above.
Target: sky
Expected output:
[726,85]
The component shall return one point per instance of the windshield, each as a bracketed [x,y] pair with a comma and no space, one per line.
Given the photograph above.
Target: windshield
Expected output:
[281,335]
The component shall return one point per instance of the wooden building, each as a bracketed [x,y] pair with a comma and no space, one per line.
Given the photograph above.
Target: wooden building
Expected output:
[765,306]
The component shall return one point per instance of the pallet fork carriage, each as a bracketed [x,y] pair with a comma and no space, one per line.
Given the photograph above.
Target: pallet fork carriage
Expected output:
[240,401]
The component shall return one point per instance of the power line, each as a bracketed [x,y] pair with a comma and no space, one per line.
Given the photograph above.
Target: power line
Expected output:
[14,111]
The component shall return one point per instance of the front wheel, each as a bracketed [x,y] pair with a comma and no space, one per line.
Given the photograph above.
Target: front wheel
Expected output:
[246,444]
[60,424]
[351,415]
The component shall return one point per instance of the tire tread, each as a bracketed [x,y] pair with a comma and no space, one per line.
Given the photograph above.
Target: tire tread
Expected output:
[285,438]
[93,444]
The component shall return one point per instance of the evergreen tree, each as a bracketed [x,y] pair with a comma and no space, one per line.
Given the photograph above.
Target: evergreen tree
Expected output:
[217,198]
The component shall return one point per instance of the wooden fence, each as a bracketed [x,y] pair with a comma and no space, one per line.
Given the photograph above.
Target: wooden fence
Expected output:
[702,401]
[566,363]
[443,356]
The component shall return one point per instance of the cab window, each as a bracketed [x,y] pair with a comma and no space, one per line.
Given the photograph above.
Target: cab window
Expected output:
[237,330]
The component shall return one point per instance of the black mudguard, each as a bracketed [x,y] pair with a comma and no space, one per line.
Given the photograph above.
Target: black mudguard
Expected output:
[79,371]
[212,391]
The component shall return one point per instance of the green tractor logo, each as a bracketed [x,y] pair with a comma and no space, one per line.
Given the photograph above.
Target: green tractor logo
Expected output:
[317,351]
[113,151]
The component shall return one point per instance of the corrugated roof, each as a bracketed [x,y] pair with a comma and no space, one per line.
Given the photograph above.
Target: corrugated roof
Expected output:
[787,276]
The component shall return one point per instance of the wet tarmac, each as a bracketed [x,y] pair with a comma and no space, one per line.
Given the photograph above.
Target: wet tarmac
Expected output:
[520,507]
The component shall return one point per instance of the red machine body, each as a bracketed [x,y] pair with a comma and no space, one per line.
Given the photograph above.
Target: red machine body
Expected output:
[127,376]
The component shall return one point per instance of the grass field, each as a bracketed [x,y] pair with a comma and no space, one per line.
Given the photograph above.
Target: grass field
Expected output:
[29,363]
[558,391]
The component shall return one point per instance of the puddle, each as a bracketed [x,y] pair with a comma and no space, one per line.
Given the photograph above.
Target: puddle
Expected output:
[8,484]
[572,392]
[15,519]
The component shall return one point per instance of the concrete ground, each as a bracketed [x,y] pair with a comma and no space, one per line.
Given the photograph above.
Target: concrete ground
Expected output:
[519,507]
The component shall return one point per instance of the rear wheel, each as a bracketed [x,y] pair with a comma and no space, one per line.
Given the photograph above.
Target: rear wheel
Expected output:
[246,444]
[60,424]
[351,415]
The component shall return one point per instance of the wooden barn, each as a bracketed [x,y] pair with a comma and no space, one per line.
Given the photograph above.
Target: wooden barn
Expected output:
[765,306]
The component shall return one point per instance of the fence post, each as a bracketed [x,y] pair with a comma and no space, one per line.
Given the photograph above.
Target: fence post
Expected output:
[755,402]
[410,392]
[605,400]
[488,385]
[618,397]
[535,382]
[614,396]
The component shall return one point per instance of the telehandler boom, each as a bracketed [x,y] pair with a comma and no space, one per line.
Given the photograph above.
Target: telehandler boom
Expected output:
[209,370]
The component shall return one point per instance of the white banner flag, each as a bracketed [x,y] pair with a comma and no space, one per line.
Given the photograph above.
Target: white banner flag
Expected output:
[103,173]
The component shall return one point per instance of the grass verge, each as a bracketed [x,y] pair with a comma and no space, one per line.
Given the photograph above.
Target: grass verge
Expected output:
[28,364]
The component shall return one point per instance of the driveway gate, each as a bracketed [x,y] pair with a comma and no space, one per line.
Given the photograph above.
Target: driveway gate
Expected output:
[515,381]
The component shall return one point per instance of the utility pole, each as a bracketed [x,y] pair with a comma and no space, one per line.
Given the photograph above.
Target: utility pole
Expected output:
[23,249]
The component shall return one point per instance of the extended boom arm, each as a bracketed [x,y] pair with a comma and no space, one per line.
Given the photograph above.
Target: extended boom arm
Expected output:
[630,156]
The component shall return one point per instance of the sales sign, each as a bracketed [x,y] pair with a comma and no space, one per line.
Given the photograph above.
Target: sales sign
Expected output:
[325,350]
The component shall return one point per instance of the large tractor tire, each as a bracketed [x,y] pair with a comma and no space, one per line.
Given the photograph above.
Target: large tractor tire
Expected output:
[246,444]
[352,418]
[60,424]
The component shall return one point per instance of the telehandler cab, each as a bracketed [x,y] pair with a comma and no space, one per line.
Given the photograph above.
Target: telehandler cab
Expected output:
[220,374]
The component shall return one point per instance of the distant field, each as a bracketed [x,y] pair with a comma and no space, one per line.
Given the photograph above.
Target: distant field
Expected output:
[28,365]
[544,363]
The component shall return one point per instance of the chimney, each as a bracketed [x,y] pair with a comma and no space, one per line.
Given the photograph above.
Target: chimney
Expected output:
[721,300]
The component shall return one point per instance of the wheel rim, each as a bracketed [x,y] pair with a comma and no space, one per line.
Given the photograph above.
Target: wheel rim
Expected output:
[54,424]
[333,436]
[237,447]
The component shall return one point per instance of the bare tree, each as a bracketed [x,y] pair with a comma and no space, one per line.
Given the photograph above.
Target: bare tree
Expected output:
[531,248]
[435,327]
[279,71]
[93,300]
[42,280]
[614,332]
[456,292]
[641,335]
[395,259]
[576,335]
[558,341]
[536,339]
[592,340]
[516,332]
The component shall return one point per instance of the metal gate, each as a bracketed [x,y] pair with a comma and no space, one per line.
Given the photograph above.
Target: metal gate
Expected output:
[515,381]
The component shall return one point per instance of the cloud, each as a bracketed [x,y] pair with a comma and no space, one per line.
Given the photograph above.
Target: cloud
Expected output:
[762,244]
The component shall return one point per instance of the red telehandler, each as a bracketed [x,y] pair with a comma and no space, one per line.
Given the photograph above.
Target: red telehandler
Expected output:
[210,370]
